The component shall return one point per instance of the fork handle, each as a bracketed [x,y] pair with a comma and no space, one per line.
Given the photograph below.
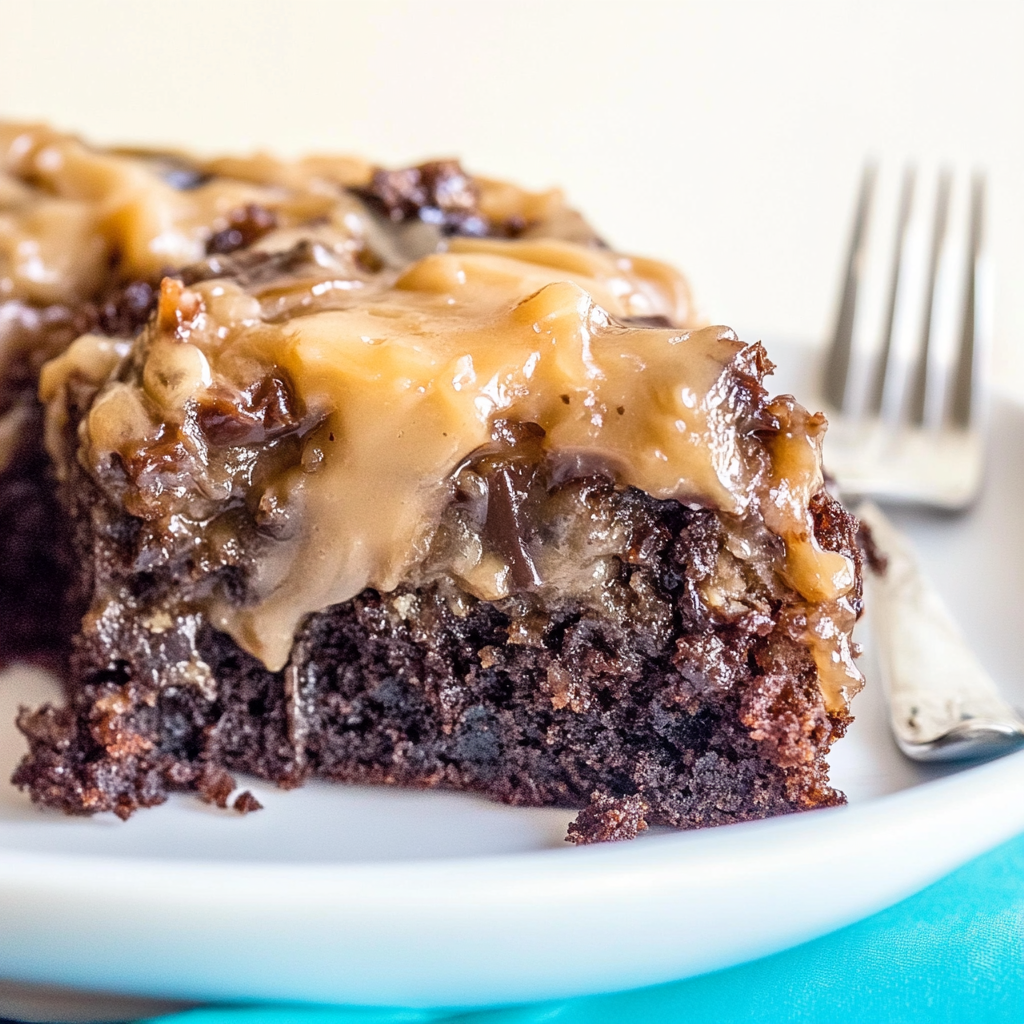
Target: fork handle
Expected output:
[943,705]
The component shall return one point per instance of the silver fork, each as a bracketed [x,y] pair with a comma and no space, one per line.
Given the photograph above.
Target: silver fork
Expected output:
[905,377]
[906,370]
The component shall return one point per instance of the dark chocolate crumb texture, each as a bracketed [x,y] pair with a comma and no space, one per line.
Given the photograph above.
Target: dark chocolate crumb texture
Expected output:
[410,480]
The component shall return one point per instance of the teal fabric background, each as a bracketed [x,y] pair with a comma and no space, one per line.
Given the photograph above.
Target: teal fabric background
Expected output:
[952,953]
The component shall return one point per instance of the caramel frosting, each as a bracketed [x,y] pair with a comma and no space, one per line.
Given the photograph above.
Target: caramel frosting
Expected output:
[74,217]
[336,407]
[80,225]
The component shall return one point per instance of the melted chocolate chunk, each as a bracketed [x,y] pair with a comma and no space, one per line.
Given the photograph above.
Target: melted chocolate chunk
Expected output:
[508,521]
[245,226]
[125,310]
[260,413]
[510,479]
[439,192]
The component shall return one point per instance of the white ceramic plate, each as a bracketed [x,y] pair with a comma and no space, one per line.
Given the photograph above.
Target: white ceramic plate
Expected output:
[372,896]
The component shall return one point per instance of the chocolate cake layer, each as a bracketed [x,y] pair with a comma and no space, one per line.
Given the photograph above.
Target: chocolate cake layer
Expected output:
[658,710]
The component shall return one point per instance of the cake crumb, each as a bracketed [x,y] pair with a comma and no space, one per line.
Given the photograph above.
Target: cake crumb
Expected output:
[245,803]
[873,555]
[608,819]
[214,785]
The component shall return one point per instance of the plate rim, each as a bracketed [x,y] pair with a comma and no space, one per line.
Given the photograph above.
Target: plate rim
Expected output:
[947,809]
[897,832]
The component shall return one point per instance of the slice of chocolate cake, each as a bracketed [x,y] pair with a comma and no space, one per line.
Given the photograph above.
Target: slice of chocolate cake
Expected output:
[482,513]
[87,233]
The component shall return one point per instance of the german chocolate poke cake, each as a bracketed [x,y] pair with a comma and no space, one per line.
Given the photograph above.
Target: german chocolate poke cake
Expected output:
[399,477]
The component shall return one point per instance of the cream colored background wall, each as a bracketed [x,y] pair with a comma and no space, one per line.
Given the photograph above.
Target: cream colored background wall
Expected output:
[727,137]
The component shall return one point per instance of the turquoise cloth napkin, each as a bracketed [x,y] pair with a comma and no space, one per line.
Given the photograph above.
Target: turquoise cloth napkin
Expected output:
[953,953]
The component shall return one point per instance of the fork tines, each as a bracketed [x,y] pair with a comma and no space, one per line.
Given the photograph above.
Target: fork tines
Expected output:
[911,333]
